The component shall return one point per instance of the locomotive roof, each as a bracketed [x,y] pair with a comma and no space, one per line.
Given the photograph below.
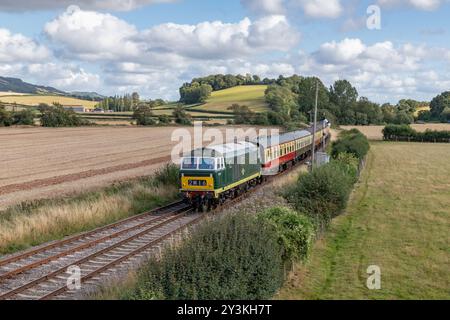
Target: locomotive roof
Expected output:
[283,138]
[226,150]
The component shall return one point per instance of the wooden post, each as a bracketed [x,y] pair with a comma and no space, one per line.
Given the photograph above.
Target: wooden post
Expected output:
[313,156]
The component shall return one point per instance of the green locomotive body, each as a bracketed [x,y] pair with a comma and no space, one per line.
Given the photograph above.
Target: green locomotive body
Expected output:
[211,175]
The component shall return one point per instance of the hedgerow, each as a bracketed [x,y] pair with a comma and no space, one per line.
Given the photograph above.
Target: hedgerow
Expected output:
[352,141]
[57,116]
[234,257]
[406,133]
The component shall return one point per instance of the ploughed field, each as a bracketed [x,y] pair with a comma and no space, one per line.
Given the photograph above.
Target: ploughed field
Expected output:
[376,132]
[46,163]
[397,219]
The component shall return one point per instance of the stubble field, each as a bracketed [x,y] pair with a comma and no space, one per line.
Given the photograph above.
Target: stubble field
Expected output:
[45,163]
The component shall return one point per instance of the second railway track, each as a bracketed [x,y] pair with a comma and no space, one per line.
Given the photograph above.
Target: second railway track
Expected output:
[30,275]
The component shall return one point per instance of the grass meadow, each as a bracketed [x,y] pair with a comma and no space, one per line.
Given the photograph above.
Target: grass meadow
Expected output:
[251,96]
[398,219]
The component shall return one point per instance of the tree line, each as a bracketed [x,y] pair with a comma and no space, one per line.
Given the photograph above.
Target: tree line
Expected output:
[127,103]
[292,99]
[340,103]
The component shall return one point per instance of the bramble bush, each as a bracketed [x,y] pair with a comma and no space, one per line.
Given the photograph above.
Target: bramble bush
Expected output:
[23,117]
[5,118]
[233,257]
[352,141]
[295,232]
[57,116]
[323,193]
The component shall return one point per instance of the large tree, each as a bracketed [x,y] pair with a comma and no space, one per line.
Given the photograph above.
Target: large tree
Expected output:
[307,93]
[439,103]
[281,99]
[343,94]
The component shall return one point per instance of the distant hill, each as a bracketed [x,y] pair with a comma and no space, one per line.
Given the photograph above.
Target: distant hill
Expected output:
[87,95]
[19,86]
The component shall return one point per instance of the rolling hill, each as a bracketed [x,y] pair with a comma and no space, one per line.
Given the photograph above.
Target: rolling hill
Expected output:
[251,96]
[16,91]
[18,86]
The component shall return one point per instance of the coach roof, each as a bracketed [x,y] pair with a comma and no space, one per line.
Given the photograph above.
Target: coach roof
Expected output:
[271,141]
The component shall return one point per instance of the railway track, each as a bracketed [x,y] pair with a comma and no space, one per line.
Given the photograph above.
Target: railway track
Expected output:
[43,272]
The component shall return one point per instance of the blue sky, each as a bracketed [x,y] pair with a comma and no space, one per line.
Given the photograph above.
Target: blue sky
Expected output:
[116,46]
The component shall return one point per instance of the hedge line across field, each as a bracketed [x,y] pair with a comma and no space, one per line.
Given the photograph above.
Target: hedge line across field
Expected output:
[406,133]
[245,256]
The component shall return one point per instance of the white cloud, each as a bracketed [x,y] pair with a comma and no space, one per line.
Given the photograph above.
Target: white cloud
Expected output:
[91,35]
[16,47]
[115,5]
[428,5]
[265,6]
[218,40]
[321,8]
[382,71]
[311,8]
[340,52]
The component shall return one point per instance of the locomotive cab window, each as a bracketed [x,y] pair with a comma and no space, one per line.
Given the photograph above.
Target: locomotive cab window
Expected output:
[189,163]
[207,164]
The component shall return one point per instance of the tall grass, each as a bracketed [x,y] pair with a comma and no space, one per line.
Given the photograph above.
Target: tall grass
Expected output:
[34,223]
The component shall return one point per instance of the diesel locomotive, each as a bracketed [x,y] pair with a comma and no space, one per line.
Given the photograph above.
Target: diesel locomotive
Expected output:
[210,176]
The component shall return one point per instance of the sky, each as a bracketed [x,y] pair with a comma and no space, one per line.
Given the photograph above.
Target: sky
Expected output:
[388,49]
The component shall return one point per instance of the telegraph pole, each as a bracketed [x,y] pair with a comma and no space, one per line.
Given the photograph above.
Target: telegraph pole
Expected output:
[313,157]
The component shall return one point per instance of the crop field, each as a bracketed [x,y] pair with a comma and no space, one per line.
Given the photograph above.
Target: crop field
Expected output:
[46,163]
[398,219]
[8,93]
[375,132]
[34,100]
[251,96]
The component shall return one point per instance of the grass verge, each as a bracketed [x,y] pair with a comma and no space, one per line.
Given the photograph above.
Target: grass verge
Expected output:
[34,223]
[398,219]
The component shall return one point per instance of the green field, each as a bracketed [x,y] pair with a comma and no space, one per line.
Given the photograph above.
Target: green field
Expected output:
[251,96]
[398,219]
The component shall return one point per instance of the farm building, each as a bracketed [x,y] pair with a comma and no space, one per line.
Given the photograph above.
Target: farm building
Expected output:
[76,108]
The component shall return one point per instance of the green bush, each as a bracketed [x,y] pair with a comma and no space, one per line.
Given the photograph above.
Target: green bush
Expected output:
[406,133]
[57,116]
[24,117]
[181,117]
[168,174]
[353,142]
[5,118]
[295,232]
[234,257]
[323,193]
[350,164]
[164,119]
[143,115]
